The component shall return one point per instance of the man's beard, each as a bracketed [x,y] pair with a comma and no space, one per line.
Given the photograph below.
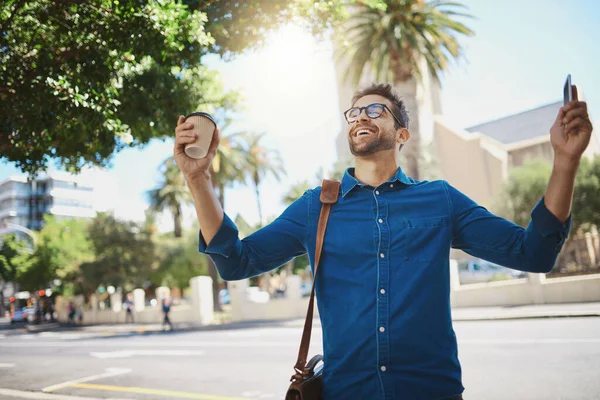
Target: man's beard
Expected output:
[383,141]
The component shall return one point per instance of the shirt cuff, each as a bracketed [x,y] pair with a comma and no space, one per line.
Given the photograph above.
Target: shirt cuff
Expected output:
[224,241]
[547,224]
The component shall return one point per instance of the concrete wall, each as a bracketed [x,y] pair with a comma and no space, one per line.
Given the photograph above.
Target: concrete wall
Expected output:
[199,311]
[536,289]
[292,306]
[150,315]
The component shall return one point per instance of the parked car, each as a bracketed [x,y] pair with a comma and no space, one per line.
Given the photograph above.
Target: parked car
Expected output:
[477,271]
[24,314]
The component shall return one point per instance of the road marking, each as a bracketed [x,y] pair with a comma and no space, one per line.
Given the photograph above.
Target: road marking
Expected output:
[258,395]
[166,393]
[131,353]
[530,341]
[7,365]
[109,372]
[152,344]
[44,396]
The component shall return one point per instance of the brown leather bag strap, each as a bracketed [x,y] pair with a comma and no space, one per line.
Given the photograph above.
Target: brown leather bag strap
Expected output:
[329,195]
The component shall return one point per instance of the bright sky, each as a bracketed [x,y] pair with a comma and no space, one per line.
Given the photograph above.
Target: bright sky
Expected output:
[518,60]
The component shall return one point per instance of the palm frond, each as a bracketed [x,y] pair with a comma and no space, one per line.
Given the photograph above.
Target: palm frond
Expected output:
[409,29]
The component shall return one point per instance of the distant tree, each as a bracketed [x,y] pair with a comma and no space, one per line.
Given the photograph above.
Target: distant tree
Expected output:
[527,184]
[124,255]
[13,256]
[524,187]
[586,202]
[179,261]
[62,246]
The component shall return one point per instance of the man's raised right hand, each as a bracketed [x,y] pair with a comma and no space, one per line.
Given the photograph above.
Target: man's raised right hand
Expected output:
[190,167]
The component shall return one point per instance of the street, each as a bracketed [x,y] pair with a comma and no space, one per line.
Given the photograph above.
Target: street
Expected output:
[509,359]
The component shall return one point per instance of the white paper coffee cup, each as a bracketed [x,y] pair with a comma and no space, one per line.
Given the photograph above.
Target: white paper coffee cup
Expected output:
[204,126]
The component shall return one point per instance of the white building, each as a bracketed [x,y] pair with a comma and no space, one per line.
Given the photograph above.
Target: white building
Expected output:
[24,202]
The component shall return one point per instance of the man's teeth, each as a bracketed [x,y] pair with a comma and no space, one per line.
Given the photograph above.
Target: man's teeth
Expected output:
[362,131]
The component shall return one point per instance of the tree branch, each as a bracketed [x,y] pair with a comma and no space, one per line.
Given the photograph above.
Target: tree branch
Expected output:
[5,25]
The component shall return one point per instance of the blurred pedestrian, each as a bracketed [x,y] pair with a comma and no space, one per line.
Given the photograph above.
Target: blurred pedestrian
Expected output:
[71,313]
[129,309]
[166,308]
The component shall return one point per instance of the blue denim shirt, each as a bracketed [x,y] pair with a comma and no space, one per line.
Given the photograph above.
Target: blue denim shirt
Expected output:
[383,288]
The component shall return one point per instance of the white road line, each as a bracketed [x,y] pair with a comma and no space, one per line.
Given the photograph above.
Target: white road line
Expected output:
[131,353]
[109,372]
[7,365]
[258,395]
[44,396]
[530,341]
[105,344]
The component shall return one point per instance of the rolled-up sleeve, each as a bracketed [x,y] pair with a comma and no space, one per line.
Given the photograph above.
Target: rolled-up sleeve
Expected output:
[485,235]
[265,249]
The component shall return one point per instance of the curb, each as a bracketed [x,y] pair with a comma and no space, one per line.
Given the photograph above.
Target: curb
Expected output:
[42,327]
[104,331]
[527,316]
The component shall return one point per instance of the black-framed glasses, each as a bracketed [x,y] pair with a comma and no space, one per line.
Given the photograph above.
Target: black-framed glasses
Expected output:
[372,110]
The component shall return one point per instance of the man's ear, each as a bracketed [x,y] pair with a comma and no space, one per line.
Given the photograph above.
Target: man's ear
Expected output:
[403,135]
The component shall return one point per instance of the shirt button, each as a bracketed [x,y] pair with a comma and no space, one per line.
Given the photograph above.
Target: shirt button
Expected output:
[381,329]
[391,185]
[377,192]
[380,221]
[383,368]
[382,291]
[382,255]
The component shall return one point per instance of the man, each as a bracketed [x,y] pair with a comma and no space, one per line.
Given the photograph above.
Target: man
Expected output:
[129,309]
[383,287]
[166,308]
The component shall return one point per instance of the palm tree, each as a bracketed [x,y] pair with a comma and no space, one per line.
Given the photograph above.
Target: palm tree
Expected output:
[390,38]
[171,194]
[295,192]
[263,162]
[230,164]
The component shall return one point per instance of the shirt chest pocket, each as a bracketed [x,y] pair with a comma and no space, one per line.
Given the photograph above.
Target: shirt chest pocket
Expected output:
[424,238]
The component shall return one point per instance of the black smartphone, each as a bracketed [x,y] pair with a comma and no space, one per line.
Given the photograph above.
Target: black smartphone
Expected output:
[567,91]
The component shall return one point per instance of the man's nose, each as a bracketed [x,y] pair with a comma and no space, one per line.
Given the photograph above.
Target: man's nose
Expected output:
[362,116]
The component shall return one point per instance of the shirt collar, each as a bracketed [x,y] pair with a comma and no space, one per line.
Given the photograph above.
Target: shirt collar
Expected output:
[349,182]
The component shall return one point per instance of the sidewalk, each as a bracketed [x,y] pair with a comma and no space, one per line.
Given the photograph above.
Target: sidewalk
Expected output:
[458,314]
[527,311]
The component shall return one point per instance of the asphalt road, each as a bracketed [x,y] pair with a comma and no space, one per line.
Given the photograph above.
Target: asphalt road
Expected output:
[544,359]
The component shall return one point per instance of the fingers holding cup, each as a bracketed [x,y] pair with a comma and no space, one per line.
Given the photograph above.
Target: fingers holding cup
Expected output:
[203,128]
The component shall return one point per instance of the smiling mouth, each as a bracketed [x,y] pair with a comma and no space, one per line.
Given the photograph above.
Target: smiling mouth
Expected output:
[364,132]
